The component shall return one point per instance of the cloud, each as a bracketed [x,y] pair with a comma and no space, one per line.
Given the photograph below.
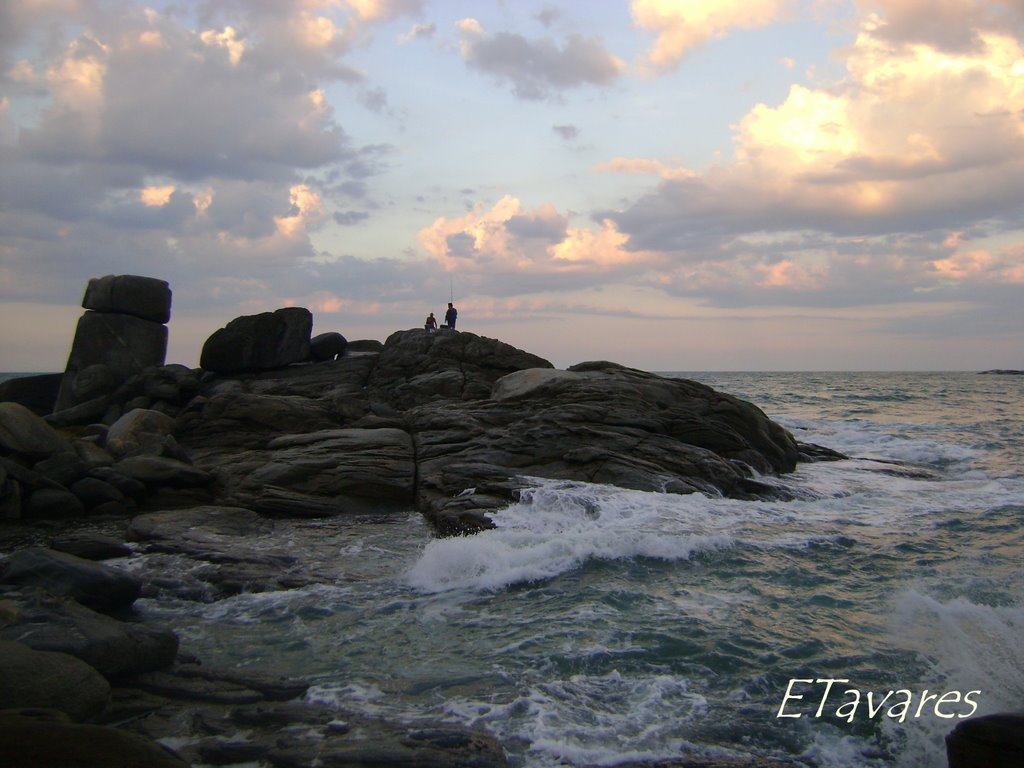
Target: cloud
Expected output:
[509,251]
[918,138]
[418,32]
[644,167]
[567,132]
[199,152]
[948,25]
[537,69]
[682,25]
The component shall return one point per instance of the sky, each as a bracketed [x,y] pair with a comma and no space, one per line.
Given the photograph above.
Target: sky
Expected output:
[668,184]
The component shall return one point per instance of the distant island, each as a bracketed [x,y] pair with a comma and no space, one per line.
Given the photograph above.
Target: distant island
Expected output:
[1003,372]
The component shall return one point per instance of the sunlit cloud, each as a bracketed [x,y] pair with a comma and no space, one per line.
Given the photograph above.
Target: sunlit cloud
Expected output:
[226,39]
[157,196]
[682,25]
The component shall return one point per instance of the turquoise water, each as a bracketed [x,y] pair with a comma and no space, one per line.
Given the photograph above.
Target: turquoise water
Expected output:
[596,625]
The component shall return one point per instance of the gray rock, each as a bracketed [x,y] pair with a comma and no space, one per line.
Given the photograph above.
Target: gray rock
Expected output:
[138,432]
[114,648]
[96,586]
[259,342]
[125,344]
[327,346]
[197,530]
[50,680]
[29,740]
[144,297]
[90,545]
[160,470]
[24,432]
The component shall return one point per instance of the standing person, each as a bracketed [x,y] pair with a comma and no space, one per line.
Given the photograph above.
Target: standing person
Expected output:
[450,316]
[430,324]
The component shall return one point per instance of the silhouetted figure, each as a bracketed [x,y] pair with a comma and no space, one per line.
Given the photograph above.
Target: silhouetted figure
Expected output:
[451,316]
[430,324]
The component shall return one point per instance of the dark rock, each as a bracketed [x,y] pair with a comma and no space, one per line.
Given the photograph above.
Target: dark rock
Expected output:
[52,680]
[201,529]
[477,361]
[128,486]
[37,393]
[53,503]
[327,346]
[160,470]
[259,342]
[94,492]
[93,381]
[32,740]
[115,648]
[27,434]
[364,347]
[125,344]
[96,586]
[242,420]
[144,297]
[90,545]
[63,468]
[989,741]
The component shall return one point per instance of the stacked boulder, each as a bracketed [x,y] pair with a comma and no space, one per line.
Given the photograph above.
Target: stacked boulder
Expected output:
[123,333]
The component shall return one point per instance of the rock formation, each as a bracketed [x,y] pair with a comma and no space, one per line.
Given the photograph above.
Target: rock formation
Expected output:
[122,333]
[259,342]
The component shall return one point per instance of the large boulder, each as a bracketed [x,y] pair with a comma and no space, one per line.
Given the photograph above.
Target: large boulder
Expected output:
[25,433]
[141,431]
[126,345]
[259,342]
[144,297]
[99,587]
[50,680]
[34,738]
[327,346]
[114,648]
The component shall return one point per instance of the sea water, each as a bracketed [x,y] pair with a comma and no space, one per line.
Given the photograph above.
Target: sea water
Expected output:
[596,625]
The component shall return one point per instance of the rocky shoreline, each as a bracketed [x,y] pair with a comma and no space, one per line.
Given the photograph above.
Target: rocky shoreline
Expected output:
[277,425]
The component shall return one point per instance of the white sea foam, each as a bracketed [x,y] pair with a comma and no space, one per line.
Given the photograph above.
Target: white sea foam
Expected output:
[594,719]
[558,526]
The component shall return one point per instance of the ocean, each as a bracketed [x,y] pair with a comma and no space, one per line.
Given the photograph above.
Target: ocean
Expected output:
[596,625]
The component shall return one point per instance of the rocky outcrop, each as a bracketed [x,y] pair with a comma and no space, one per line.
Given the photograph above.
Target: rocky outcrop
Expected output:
[259,342]
[453,422]
[122,333]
